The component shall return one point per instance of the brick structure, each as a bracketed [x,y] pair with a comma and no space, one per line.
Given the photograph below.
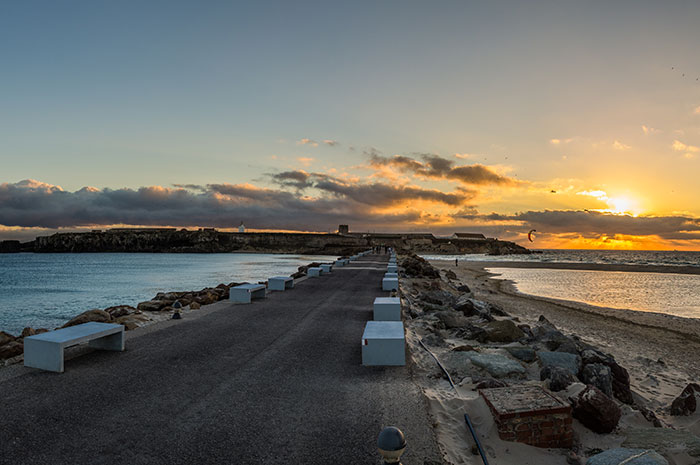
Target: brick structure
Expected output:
[530,415]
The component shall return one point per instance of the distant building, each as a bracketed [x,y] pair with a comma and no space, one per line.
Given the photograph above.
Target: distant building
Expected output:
[468,236]
[241,228]
[343,229]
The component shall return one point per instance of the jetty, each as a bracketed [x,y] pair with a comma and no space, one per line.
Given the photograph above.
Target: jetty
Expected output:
[279,380]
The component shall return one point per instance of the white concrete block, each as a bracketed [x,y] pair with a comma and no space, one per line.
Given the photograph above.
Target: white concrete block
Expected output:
[387,309]
[314,272]
[383,344]
[390,284]
[280,283]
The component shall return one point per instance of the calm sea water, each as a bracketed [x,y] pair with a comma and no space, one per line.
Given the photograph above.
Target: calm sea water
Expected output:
[675,294]
[46,290]
[622,257]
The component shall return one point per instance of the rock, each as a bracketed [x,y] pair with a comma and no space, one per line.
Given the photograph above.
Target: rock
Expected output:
[595,410]
[11,349]
[551,338]
[498,366]
[568,346]
[490,383]
[417,267]
[452,320]
[663,440]
[99,316]
[524,353]
[434,340]
[120,310]
[472,307]
[472,332]
[438,297]
[463,348]
[527,330]
[686,403]
[557,378]
[621,455]
[194,306]
[5,338]
[464,288]
[26,332]
[503,331]
[449,274]
[497,310]
[621,383]
[569,362]
[595,356]
[598,375]
[152,305]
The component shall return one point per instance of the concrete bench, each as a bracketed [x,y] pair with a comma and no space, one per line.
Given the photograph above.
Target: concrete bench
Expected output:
[314,272]
[280,283]
[339,263]
[390,284]
[387,309]
[246,292]
[383,344]
[45,351]
[326,267]
[392,269]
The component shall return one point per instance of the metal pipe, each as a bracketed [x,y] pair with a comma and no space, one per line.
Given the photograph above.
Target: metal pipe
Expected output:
[466,417]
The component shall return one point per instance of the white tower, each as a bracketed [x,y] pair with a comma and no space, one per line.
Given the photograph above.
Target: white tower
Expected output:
[241,228]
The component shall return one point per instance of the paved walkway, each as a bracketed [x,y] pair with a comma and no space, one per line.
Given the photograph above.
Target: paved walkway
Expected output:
[276,381]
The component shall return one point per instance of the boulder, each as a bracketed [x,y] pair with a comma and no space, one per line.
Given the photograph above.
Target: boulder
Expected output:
[524,353]
[620,376]
[598,375]
[473,307]
[5,338]
[26,332]
[439,297]
[627,456]
[152,305]
[11,349]
[568,346]
[120,310]
[194,306]
[449,274]
[557,378]
[567,361]
[595,410]
[498,366]
[503,331]
[686,403]
[463,348]
[472,332]
[464,288]
[99,316]
[452,320]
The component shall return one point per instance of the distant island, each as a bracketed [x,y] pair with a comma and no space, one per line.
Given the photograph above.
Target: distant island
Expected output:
[210,240]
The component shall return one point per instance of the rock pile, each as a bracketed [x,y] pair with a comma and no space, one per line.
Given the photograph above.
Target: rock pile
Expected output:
[481,343]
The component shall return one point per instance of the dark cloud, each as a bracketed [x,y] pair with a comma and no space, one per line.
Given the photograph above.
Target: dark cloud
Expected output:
[593,223]
[436,167]
[31,204]
[377,194]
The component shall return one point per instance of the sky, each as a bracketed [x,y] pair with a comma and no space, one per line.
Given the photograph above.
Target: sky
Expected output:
[580,120]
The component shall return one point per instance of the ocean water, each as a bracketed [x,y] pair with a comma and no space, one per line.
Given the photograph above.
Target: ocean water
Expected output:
[46,290]
[674,294]
[618,257]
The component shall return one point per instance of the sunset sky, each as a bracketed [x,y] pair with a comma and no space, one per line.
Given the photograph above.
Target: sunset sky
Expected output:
[578,119]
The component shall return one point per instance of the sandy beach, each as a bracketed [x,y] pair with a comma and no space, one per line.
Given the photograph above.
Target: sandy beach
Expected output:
[659,351]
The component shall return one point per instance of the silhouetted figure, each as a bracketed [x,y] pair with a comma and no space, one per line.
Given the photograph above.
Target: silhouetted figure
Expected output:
[456,262]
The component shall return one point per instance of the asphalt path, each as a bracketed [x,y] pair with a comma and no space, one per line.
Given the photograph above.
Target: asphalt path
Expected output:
[276,381]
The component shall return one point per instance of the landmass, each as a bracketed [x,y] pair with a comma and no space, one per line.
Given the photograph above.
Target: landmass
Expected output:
[210,240]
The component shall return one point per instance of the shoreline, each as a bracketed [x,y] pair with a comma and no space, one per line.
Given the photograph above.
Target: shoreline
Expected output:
[638,339]
[613,267]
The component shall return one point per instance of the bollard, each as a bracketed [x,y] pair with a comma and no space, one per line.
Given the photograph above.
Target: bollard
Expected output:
[392,444]
[177,306]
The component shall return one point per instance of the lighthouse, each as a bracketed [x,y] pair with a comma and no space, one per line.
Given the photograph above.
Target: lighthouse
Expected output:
[241,228]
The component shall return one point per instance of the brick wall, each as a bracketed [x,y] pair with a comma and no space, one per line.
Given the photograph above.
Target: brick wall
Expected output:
[530,415]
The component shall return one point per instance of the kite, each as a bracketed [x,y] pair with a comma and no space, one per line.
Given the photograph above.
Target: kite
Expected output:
[530,236]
